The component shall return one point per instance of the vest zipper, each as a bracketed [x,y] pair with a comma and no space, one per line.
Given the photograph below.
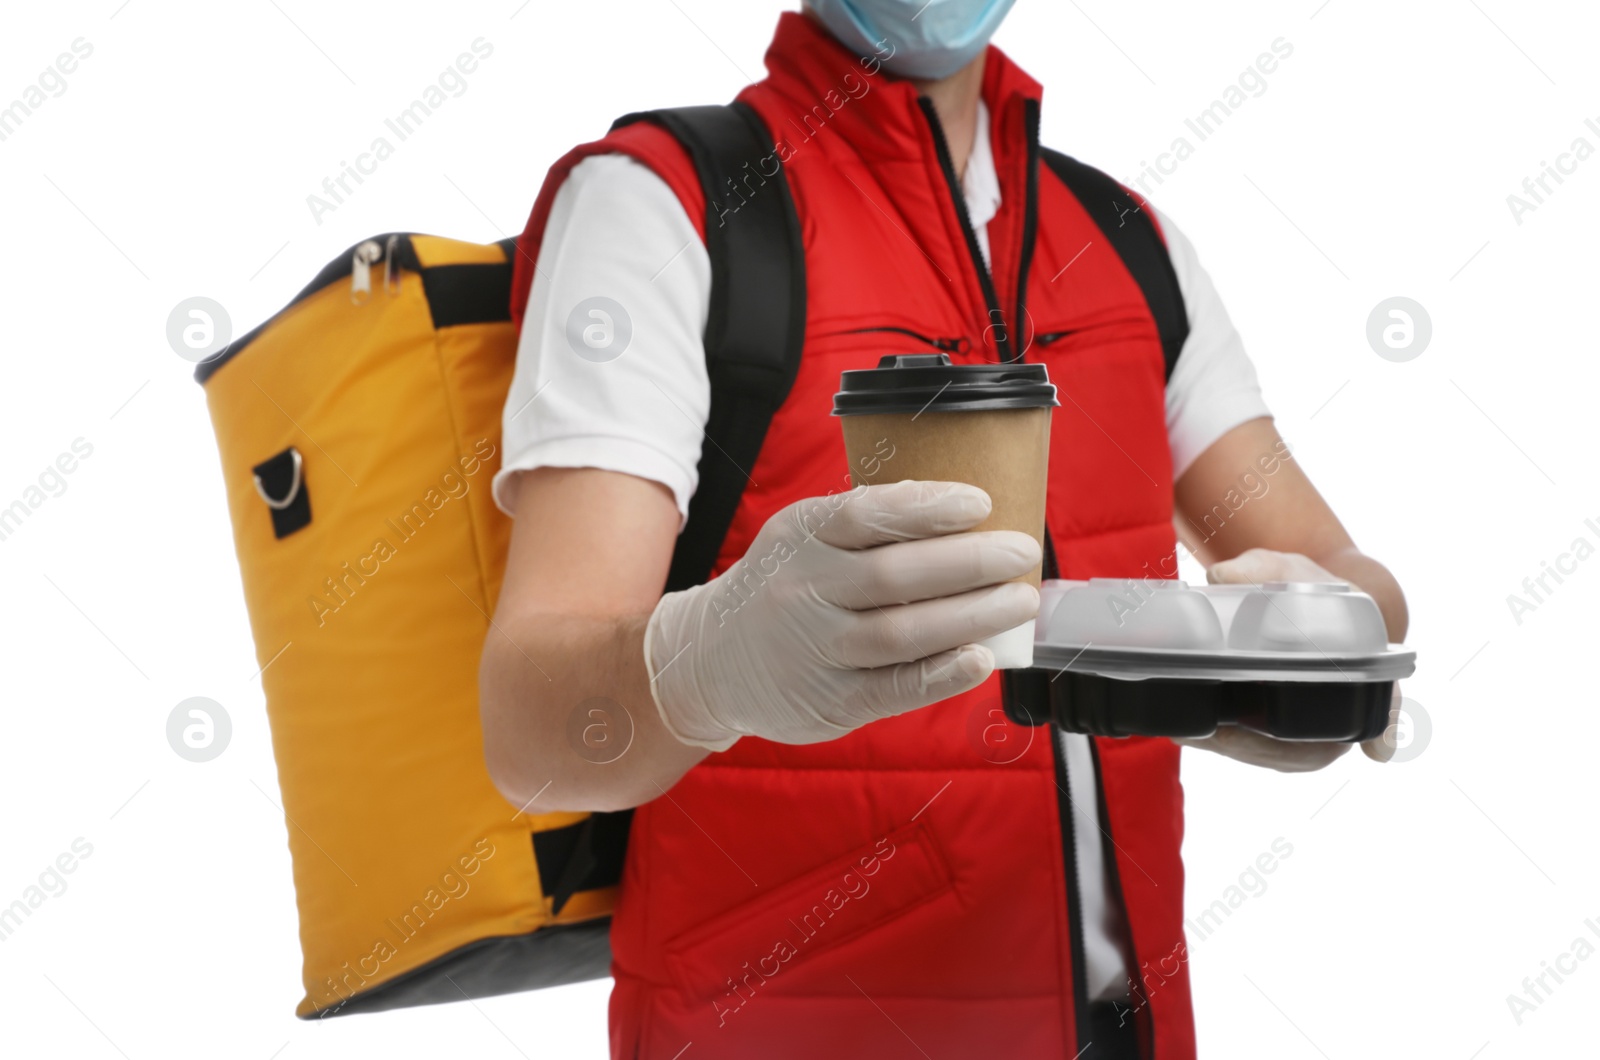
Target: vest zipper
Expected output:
[1069,847]
[1080,990]
[1080,999]
[956,345]
[997,320]
[1069,853]
[1140,999]
[1030,219]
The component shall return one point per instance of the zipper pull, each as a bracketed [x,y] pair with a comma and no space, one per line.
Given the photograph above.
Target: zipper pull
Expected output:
[391,268]
[361,271]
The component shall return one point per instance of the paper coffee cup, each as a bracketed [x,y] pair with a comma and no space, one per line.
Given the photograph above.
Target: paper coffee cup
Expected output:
[918,416]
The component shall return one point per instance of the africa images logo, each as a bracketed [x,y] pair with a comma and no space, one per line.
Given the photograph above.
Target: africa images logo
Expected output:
[1536,588]
[450,84]
[340,588]
[352,977]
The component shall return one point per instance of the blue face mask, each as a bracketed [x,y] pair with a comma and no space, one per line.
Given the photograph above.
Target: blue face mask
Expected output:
[930,38]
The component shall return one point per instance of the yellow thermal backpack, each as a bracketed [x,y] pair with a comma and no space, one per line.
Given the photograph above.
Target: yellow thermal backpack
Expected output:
[359,430]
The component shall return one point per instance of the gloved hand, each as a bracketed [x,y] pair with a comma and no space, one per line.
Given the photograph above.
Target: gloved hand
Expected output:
[845,609]
[1254,567]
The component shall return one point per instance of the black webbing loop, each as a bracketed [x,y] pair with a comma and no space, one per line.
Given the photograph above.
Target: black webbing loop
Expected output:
[756,325]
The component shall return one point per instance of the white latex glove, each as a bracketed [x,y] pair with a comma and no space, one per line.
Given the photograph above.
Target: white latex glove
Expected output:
[1255,567]
[846,609]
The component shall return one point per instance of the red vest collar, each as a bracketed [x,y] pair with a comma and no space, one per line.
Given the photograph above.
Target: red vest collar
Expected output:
[827,106]
[806,68]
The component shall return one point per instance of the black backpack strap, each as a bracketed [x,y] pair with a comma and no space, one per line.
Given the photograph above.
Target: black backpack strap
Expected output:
[1127,225]
[756,326]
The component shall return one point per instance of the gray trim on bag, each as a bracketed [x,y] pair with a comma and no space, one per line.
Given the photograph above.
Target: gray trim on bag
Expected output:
[505,964]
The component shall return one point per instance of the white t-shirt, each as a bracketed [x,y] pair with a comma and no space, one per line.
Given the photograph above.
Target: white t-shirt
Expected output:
[616,231]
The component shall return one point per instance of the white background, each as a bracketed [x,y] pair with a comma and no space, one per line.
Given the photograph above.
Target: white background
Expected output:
[1377,163]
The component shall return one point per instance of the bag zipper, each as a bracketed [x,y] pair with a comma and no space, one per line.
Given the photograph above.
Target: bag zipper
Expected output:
[391,266]
[956,345]
[364,257]
[367,254]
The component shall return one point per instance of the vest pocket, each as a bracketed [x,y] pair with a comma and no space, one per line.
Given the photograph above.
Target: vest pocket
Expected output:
[830,905]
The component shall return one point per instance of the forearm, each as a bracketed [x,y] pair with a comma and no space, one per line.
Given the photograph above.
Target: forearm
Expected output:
[820,648]
[568,718]
[1265,559]
[1247,493]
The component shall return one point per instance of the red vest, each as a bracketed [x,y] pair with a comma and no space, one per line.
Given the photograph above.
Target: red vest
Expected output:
[901,883]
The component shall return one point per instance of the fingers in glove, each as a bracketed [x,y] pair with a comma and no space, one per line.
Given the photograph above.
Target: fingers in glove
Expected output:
[896,511]
[925,570]
[1252,748]
[1258,565]
[1382,748]
[1251,567]
[888,635]
[892,690]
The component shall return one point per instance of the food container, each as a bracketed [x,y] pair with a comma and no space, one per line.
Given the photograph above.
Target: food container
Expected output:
[1148,657]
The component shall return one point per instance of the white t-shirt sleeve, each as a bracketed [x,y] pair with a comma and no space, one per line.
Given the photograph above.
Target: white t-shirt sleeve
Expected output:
[1213,387]
[579,397]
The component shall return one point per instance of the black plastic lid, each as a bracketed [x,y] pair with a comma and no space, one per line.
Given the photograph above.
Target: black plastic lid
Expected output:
[917,381]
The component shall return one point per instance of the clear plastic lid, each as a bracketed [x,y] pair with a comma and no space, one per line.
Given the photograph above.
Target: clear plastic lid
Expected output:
[1154,627]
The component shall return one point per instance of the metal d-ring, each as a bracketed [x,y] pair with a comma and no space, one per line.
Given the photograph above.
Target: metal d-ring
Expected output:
[294,485]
